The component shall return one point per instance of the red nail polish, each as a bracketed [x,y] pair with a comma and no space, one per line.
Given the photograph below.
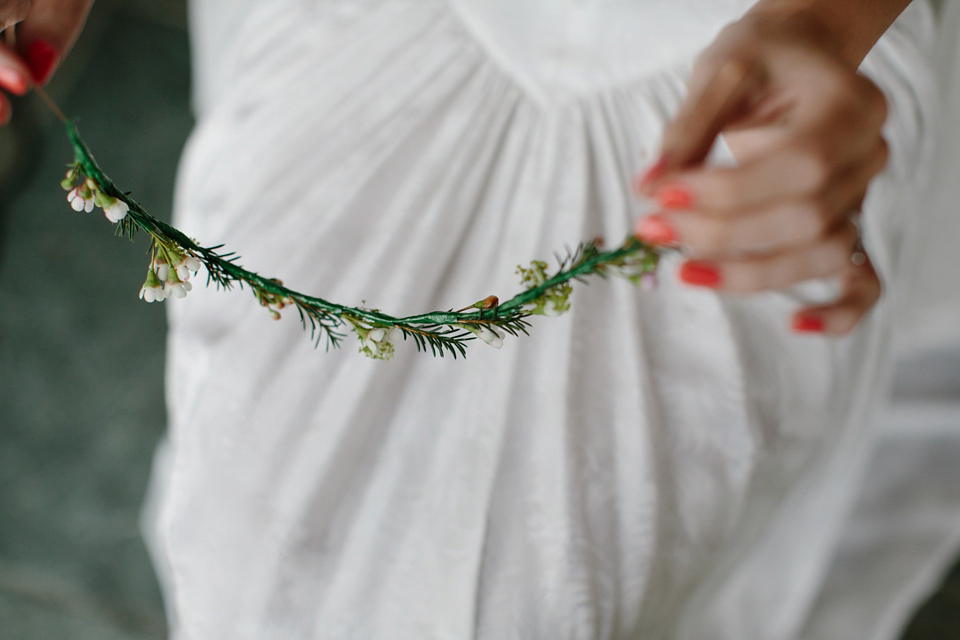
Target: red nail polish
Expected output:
[701,274]
[13,81]
[655,172]
[655,230]
[808,324]
[674,196]
[41,56]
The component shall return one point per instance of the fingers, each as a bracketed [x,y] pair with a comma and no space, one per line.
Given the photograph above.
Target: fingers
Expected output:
[46,29]
[47,32]
[822,259]
[739,221]
[860,286]
[5,111]
[860,290]
[796,170]
[15,76]
[13,12]
[704,114]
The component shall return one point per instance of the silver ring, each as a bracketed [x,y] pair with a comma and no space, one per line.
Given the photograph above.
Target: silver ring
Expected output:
[858,256]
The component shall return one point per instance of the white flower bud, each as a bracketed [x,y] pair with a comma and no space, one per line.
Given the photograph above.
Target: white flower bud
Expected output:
[116,210]
[491,336]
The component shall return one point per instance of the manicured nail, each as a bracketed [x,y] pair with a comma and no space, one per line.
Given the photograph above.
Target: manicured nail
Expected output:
[655,230]
[701,274]
[13,81]
[674,196]
[808,324]
[41,56]
[654,173]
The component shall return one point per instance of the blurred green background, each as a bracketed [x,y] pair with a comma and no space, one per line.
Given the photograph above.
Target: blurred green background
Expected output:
[81,399]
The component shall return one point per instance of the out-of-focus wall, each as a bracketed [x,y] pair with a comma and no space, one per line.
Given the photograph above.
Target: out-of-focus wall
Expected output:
[81,358]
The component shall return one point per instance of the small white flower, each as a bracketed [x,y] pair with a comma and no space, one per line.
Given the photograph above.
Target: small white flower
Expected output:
[176,289]
[115,210]
[374,337]
[378,342]
[80,199]
[185,266]
[152,289]
[151,294]
[491,336]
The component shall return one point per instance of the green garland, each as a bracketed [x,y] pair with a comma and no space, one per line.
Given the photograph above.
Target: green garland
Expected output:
[174,257]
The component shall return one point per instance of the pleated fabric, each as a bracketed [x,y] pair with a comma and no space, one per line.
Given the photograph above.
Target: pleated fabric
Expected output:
[665,464]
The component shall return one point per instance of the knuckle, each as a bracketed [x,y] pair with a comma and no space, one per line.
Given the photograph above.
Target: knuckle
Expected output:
[816,167]
[843,88]
[882,154]
[816,217]
[867,286]
[874,100]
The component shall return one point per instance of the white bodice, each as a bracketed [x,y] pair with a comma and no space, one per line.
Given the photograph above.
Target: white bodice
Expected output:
[578,46]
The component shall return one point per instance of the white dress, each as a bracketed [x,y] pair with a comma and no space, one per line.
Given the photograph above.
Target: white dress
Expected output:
[669,464]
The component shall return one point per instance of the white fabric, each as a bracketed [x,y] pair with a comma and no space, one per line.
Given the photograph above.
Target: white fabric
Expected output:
[931,317]
[660,465]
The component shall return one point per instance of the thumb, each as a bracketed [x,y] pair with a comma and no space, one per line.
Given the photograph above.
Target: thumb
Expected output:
[47,33]
[707,110]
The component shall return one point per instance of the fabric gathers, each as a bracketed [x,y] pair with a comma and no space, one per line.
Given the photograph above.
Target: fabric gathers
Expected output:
[653,464]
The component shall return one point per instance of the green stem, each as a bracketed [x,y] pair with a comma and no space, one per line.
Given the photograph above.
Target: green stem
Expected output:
[228,271]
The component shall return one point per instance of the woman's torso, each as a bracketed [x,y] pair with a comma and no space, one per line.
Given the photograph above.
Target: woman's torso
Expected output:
[627,469]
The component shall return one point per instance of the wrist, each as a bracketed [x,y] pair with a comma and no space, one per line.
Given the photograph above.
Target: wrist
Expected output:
[848,29]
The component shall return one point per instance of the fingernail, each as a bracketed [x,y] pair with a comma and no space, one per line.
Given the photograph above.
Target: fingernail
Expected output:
[655,172]
[41,56]
[701,274]
[808,324]
[674,196]
[655,230]
[13,81]
[4,115]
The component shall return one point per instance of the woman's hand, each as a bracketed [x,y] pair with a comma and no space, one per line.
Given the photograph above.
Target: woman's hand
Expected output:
[805,128]
[46,29]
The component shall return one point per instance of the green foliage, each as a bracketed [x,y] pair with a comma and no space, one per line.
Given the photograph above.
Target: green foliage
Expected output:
[440,332]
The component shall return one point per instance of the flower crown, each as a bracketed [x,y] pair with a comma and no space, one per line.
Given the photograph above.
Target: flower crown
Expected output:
[176,258]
